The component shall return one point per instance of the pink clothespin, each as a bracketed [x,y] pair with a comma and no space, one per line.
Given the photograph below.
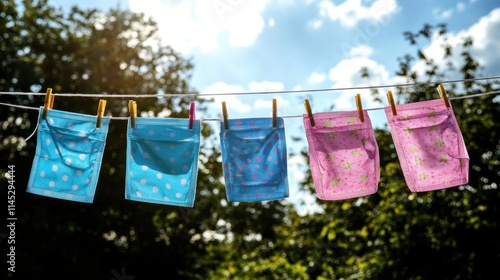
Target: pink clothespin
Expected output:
[192,115]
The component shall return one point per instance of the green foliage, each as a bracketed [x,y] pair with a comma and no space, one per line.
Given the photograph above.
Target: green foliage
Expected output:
[116,52]
[260,261]
[393,234]
[446,234]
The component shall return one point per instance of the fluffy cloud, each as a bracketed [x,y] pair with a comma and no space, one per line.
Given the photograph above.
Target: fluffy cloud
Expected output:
[362,50]
[271,22]
[486,37]
[266,86]
[190,24]
[442,14]
[232,100]
[316,78]
[267,104]
[350,12]
[347,74]
[237,103]
[315,23]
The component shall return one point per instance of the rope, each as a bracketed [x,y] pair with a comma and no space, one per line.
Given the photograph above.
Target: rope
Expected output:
[285,117]
[248,93]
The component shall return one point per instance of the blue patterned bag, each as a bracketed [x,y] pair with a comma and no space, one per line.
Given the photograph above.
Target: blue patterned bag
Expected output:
[254,159]
[162,161]
[68,156]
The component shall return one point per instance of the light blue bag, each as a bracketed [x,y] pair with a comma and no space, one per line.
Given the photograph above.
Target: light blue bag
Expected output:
[254,159]
[68,156]
[162,161]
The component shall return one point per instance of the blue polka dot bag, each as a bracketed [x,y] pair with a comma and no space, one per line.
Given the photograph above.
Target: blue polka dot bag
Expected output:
[162,161]
[254,159]
[68,156]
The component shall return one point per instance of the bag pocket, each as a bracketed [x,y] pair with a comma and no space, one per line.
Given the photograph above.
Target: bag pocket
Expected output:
[254,157]
[430,135]
[430,145]
[76,149]
[356,138]
[170,152]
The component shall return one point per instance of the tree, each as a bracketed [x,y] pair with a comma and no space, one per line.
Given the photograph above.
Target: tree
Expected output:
[116,52]
[396,234]
[448,234]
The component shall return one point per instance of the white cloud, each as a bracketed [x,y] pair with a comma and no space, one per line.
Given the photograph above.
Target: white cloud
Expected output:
[268,104]
[347,74]
[362,50]
[296,163]
[486,43]
[350,12]
[297,87]
[235,102]
[271,22]
[442,14]
[446,14]
[266,86]
[316,78]
[486,34]
[232,101]
[190,24]
[315,23]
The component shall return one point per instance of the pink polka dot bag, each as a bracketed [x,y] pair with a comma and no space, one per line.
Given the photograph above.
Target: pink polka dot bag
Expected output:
[429,145]
[343,153]
[68,156]
[162,161]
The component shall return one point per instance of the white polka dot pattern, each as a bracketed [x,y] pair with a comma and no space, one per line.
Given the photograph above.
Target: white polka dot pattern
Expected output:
[69,156]
[162,161]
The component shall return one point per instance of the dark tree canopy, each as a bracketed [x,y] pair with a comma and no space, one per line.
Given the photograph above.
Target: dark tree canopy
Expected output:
[116,52]
[446,234]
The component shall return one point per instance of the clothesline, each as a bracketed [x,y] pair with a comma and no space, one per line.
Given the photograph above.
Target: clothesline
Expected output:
[162,156]
[248,93]
[284,117]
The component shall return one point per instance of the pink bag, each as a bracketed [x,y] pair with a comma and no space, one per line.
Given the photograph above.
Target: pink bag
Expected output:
[344,155]
[429,144]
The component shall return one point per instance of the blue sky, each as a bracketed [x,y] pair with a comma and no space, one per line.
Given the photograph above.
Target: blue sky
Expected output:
[244,46]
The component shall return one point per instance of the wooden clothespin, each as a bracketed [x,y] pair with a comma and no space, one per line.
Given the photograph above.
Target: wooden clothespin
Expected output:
[100,112]
[47,103]
[309,112]
[224,115]
[52,97]
[275,113]
[132,108]
[443,95]
[390,98]
[360,107]
[192,115]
